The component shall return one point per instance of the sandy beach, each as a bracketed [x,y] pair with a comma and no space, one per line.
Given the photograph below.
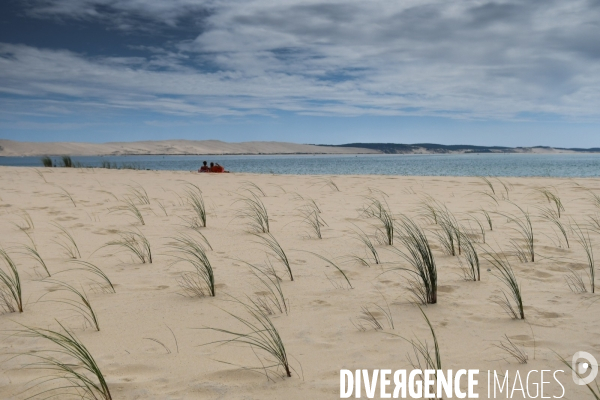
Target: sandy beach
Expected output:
[151,343]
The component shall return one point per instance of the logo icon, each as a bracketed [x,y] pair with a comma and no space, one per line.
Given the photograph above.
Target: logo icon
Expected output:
[580,368]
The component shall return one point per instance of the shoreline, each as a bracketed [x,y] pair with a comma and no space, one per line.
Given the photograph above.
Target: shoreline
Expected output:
[258,174]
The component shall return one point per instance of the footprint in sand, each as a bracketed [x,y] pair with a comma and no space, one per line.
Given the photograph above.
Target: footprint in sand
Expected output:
[542,274]
[550,314]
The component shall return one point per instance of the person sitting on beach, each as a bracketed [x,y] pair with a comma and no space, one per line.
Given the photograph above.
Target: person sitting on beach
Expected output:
[215,167]
[204,168]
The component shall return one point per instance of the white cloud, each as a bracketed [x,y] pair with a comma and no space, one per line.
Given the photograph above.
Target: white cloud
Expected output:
[463,59]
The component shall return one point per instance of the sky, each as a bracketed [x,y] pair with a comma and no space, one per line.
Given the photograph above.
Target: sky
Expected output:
[511,73]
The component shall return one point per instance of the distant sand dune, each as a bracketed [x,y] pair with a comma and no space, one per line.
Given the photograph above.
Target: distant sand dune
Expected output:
[14,148]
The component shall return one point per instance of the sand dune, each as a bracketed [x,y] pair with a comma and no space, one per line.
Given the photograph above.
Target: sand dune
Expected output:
[151,344]
[13,148]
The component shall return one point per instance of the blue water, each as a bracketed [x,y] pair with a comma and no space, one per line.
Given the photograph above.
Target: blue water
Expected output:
[558,165]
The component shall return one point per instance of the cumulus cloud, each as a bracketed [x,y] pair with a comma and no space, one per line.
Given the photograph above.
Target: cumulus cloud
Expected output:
[460,59]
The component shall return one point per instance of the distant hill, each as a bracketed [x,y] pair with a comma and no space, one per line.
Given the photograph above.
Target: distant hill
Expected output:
[432,148]
[193,147]
[171,147]
[577,149]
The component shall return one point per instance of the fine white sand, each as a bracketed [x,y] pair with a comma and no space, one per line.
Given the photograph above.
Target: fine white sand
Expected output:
[320,333]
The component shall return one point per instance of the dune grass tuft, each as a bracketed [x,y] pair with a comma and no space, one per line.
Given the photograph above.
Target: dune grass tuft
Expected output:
[109,193]
[509,347]
[332,185]
[67,195]
[488,219]
[200,282]
[490,195]
[422,352]
[424,359]
[552,198]
[525,228]
[47,162]
[114,165]
[24,215]
[81,375]
[136,243]
[364,238]
[262,335]
[575,282]
[329,182]
[423,285]
[278,187]
[472,272]
[481,229]
[552,216]
[312,203]
[252,188]
[68,243]
[367,317]
[138,192]
[488,183]
[194,196]
[40,174]
[130,208]
[583,238]
[274,297]
[33,253]
[429,209]
[272,244]
[312,219]
[67,162]
[595,198]
[334,265]
[162,207]
[594,223]
[159,342]
[11,295]
[380,210]
[450,236]
[192,284]
[506,188]
[82,305]
[89,267]
[512,303]
[255,212]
